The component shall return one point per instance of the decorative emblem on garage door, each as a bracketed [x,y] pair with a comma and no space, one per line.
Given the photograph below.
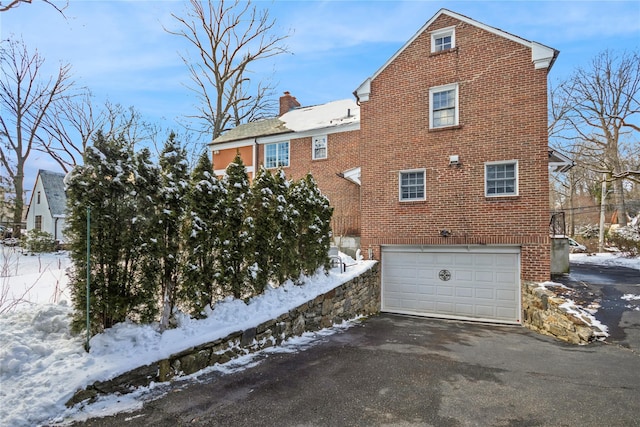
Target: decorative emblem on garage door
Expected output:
[444,275]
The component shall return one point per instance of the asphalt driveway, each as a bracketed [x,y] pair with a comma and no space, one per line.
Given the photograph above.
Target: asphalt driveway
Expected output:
[604,287]
[404,371]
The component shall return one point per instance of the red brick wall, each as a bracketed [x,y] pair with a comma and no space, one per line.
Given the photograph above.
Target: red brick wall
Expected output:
[503,116]
[344,195]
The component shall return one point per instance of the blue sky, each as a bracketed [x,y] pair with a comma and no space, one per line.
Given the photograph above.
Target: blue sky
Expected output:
[120,51]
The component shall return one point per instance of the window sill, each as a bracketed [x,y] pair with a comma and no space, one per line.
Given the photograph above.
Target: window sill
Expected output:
[320,160]
[444,52]
[412,202]
[502,198]
[443,128]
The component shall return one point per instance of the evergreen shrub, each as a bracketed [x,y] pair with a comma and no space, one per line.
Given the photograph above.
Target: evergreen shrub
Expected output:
[39,241]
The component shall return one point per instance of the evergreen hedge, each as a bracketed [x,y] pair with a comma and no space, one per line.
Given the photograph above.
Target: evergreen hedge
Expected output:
[163,239]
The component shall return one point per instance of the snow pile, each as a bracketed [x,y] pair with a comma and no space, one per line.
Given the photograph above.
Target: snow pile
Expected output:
[39,362]
[42,365]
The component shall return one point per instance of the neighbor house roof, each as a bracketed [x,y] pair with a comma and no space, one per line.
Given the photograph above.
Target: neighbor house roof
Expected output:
[558,162]
[300,120]
[53,185]
[542,56]
[254,129]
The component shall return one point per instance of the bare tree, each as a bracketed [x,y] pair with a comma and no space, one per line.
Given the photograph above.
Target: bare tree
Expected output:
[12,4]
[595,114]
[68,130]
[228,38]
[26,98]
[74,121]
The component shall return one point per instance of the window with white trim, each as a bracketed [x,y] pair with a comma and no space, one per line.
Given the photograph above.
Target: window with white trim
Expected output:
[319,147]
[443,39]
[501,178]
[276,155]
[443,106]
[412,185]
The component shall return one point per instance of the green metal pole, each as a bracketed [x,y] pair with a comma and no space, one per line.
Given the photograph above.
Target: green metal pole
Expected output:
[86,346]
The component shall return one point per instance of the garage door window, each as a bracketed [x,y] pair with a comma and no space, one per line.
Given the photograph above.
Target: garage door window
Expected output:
[412,185]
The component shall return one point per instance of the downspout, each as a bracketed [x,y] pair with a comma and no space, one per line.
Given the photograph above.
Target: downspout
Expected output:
[256,149]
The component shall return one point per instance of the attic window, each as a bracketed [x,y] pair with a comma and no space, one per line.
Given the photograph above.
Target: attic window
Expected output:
[442,40]
[38,197]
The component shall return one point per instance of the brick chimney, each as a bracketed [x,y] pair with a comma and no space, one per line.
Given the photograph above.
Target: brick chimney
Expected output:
[288,103]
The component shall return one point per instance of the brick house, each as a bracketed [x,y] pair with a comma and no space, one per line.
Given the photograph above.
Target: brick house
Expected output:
[321,139]
[452,161]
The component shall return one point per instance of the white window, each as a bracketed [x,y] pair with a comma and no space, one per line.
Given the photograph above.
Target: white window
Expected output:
[443,106]
[319,146]
[412,185]
[443,39]
[276,155]
[501,178]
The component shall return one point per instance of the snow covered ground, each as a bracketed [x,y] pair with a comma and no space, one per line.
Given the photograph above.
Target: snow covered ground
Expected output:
[605,259]
[42,364]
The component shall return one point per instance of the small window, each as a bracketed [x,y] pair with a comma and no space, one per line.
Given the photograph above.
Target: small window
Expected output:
[501,179]
[276,155]
[38,225]
[443,110]
[442,40]
[412,185]
[38,197]
[319,144]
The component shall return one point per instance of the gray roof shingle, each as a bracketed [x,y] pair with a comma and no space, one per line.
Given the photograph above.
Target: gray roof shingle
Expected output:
[254,129]
[53,184]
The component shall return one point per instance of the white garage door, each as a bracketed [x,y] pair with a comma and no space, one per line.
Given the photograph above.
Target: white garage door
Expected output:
[462,282]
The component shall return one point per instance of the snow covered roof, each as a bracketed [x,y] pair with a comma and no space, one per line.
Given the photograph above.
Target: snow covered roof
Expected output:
[324,116]
[327,115]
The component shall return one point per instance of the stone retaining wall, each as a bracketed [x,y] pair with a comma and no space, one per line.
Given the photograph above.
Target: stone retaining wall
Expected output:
[543,312]
[359,296]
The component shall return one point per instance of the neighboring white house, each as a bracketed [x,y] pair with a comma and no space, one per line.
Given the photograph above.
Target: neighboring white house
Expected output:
[48,204]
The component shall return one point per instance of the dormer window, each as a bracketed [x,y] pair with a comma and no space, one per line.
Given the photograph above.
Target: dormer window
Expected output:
[442,40]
